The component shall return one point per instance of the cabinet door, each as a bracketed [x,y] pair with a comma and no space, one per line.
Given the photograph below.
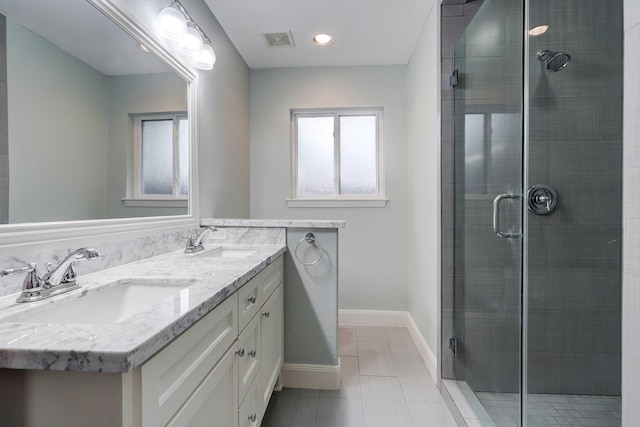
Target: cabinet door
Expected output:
[215,400]
[169,377]
[249,412]
[272,343]
[249,356]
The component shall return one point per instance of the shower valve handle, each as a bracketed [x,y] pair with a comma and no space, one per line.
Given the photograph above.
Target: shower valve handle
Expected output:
[541,199]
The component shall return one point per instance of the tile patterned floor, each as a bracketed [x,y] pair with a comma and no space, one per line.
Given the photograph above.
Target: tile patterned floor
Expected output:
[554,410]
[384,384]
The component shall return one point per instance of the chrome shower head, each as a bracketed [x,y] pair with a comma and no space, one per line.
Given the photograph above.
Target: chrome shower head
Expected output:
[555,61]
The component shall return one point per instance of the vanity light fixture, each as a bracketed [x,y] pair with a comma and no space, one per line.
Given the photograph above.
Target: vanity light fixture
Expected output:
[322,39]
[192,42]
[171,22]
[175,24]
[539,30]
[206,58]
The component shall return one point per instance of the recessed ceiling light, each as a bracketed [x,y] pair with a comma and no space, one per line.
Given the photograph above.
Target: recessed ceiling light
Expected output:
[322,39]
[536,31]
[143,48]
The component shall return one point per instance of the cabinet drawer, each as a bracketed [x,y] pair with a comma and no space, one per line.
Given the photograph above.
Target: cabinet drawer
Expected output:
[249,356]
[248,301]
[170,377]
[273,276]
[256,291]
[249,412]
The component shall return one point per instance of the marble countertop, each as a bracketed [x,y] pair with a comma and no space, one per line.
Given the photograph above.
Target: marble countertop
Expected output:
[267,223]
[122,346]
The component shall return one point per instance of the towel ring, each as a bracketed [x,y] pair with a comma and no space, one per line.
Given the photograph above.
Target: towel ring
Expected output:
[310,239]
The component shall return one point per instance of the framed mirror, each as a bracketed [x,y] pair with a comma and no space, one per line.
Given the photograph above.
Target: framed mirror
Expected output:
[98,131]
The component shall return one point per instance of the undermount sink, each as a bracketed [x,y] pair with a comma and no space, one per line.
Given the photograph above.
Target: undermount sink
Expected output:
[111,303]
[228,252]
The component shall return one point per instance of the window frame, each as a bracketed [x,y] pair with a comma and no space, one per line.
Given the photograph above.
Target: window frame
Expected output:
[336,199]
[135,195]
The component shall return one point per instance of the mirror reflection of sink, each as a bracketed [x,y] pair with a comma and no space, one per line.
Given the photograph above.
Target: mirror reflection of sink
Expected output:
[111,303]
[228,252]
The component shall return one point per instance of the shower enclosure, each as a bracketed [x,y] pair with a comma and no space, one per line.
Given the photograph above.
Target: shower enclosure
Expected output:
[537,203]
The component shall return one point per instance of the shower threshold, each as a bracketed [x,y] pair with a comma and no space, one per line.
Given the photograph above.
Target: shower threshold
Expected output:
[502,409]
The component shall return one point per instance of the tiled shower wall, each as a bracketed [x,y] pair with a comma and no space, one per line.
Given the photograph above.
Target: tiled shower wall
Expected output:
[4,127]
[574,254]
[631,213]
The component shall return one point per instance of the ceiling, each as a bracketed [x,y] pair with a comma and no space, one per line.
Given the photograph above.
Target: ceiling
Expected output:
[366,32]
[84,32]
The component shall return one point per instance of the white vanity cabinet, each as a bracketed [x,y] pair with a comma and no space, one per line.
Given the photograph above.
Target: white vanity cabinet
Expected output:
[214,374]
[217,373]
[261,341]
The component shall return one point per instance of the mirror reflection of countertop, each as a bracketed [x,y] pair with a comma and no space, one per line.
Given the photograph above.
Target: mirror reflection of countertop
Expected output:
[122,346]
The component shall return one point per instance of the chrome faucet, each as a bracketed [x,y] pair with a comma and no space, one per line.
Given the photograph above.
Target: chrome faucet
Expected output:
[65,272]
[196,245]
[56,280]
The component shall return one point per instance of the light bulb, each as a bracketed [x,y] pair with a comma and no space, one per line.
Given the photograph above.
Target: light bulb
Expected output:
[171,23]
[323,39]
[206,58]
[191,43]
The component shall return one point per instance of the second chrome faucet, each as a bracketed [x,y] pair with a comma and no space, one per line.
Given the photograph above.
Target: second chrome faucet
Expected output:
[196,245]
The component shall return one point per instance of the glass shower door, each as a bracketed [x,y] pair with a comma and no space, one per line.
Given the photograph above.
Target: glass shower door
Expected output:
[538,207]
[488,244]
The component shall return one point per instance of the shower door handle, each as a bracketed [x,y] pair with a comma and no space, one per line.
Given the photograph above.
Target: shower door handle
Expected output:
[496,216]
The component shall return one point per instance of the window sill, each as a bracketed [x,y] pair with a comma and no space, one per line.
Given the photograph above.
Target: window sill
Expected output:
[156,203]
[337,203]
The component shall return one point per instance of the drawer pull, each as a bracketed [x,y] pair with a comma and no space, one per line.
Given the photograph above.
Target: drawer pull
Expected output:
[240,352]
[252,299]
[253,353]
[266,314]
[253,417]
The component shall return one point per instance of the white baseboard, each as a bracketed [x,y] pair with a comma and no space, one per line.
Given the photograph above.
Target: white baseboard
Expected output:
[317,377]
[392,319]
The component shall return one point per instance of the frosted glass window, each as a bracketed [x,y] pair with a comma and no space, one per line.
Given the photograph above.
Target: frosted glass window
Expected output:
[157,157]
[161,156]
[315,156]
[336,154]
[358,155]
[183,148]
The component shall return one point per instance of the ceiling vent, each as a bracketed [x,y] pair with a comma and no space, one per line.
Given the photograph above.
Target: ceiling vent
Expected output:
[279,39]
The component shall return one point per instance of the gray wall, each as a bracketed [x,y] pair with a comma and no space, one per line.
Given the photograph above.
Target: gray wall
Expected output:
[423,170]
[631,214]
[311,298]
[374,242]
